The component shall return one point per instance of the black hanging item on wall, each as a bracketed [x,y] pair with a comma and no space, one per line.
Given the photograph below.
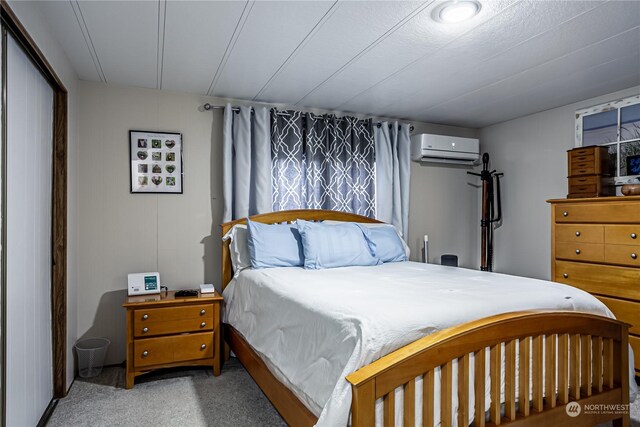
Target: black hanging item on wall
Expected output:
[488,220]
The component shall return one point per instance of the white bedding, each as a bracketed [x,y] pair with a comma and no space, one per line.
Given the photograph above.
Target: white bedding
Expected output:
[314,327]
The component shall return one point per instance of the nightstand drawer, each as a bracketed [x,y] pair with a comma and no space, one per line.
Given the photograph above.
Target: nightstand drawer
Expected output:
[170,314]
[150,329]
[593,252]
[156,351]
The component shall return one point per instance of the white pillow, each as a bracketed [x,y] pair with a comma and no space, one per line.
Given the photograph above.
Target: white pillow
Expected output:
[238,249]
[374,225]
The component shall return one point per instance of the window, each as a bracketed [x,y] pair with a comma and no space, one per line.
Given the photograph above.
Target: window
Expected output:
[615,124]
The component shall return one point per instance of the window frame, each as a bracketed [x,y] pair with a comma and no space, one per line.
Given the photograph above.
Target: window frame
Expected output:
[617,104]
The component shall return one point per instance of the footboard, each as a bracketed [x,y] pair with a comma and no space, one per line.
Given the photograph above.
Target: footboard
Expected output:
[561,357]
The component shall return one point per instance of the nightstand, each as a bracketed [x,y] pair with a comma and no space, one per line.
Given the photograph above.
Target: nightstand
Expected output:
[164,331]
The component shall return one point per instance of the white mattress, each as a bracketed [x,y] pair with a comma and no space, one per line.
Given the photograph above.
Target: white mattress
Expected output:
[314,327]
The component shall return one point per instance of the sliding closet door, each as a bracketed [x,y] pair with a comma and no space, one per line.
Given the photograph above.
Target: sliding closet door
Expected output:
[29,374]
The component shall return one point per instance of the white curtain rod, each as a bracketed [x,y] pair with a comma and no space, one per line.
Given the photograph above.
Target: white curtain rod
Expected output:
[209,107]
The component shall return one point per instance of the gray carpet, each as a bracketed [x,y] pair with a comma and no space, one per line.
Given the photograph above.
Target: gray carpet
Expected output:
[177,397]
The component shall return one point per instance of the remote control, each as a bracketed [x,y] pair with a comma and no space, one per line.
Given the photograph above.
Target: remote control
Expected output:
[187,293]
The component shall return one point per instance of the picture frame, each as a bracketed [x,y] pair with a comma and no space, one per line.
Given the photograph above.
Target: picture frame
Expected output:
[155,162]
[633,165]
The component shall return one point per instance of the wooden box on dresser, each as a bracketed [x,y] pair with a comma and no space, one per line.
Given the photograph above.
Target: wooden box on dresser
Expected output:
[595,246]
[164,331]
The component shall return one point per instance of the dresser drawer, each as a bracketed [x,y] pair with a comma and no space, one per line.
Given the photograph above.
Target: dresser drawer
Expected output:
[635,345]
[580,233]
[150,329]
[605,280]
[591,252]
[622,234]
[169,314]
[610,212]
[585,158]
[583,189]
[626,311]
[584,151]
[622,254]
[181,348]
[583,180]
[582,169]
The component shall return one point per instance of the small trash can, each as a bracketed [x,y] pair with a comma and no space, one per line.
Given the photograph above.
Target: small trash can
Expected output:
[91,352]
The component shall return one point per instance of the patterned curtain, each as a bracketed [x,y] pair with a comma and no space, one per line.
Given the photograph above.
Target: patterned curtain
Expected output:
[322,162]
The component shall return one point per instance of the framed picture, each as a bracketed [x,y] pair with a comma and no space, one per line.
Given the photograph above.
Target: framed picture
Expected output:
[156,162]
[633,165]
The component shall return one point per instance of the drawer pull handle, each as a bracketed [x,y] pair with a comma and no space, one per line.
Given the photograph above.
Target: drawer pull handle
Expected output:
[203,346]
[565,213]
[577,234]
[145,330]
[634,256]
[145,353]
[634,235]
[565,275]
[145,317]
[202,312]
[578,251]
[203,324]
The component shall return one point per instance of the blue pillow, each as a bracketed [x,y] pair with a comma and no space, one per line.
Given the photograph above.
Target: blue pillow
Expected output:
[330,246]
[274,245]
[389,247]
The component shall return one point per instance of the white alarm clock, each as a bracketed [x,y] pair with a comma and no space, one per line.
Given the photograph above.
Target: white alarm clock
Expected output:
[144,283]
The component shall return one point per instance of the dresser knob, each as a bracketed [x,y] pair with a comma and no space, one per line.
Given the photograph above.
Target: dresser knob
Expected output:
[145,330]
[202,312]
[565,213]
[565,275]
[145,353]
[634,235]
[578,251]
[203,346]
[634,256]
[203,324]
[145,317]
[577,234]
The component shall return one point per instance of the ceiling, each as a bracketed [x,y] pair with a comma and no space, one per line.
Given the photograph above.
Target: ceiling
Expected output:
[385,58]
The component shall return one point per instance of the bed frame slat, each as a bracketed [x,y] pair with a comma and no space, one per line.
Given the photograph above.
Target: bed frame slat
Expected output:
[608,362]
[428,385]
[495,365]
[538,374]
[446,392]
[597,364]
[389,415]
[563,369]
[510,364]
[463,390]
[585,365]
[409,404]
[479,386]
[525,376]
[574,367]
[550,370]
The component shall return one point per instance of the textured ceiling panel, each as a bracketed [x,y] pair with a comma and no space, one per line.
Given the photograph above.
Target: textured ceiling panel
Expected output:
[265,44]
[352,28]
[125,38]
[206,28]
[386,58]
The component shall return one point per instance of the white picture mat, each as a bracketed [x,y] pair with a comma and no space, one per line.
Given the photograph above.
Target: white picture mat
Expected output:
[163,150]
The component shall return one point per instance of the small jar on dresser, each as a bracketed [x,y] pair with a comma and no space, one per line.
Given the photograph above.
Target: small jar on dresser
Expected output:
[165,331]
[595,246]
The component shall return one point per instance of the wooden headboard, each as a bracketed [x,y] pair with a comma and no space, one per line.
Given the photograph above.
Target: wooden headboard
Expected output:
[277,218]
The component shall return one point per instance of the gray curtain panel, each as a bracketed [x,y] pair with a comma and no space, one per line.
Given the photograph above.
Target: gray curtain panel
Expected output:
[246,162]
[393,162]
[322,162]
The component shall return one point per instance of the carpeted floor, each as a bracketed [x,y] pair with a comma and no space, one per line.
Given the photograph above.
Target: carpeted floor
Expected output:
[177,397]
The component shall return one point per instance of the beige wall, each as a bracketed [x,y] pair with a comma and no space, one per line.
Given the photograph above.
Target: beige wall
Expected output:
[531,151]
[178,235]
[29,15]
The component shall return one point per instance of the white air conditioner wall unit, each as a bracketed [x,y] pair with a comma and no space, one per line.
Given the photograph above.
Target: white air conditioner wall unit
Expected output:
[445,149]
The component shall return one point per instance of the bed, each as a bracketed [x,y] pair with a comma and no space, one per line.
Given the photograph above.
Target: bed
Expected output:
[340,349]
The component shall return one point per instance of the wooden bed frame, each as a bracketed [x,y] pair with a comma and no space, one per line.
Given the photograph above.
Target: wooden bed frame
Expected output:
[597,377]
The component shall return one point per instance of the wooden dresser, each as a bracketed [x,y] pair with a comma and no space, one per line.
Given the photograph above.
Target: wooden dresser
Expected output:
[595,246]
[164,331]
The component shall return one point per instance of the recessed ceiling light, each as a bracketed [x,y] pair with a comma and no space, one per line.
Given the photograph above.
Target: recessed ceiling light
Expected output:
[455,11]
